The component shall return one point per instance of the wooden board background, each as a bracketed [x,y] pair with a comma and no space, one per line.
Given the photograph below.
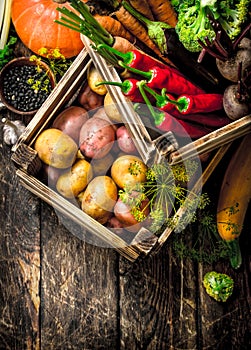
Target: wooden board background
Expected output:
[57,292]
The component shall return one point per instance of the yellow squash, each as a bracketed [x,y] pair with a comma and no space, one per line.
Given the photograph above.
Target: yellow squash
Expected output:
[235,192]
[234,198]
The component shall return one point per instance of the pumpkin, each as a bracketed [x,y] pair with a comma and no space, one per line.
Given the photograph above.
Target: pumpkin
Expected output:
[34,23]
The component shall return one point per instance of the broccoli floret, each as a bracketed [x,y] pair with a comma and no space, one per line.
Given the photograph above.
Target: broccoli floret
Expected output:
[218,285]
[193,24]
[232,15]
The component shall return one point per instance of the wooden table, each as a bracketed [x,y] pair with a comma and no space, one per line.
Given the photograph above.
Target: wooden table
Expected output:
[58,292]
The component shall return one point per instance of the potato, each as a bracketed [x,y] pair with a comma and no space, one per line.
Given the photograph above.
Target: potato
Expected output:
[111,109]
[123,213]
[56,148]
[96,138]
[102,166]
[50,175]
[74,181]
[70,121]
[128,169]
[89,99]
[125,141]
[93,77]
[115,226]
[101,113]
[99,198]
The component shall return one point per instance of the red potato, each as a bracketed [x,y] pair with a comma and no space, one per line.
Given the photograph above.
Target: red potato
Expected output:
[96,139]
[125,141]
[101,113]
[89,99]
[123,213]
[114,224]
[70,121]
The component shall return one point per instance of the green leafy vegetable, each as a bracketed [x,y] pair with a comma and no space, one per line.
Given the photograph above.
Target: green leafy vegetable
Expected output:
[193,23]
[6,54]
[201,242]
[218,285]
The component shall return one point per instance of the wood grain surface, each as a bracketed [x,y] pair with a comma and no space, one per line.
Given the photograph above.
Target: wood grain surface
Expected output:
[58,292]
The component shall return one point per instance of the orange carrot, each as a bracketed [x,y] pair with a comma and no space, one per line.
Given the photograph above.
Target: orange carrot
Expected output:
[114,27]
[138,30]
[163,11]
[142,7]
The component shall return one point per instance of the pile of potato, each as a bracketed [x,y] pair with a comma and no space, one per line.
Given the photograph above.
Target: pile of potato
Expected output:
[87,154]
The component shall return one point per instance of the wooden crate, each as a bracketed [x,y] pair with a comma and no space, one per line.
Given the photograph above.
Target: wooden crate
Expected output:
[151,150]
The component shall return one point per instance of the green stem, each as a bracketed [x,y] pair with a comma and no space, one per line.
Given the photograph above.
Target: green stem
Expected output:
[145,75]
[124,86]
[127,57]
[163,99]
[235,255]
[87,25]
[157,115]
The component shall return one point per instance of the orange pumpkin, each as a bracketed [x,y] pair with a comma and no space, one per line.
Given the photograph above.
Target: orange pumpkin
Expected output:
[34,23]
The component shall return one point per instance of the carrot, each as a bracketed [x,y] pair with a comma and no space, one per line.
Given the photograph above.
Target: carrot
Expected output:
[163,11]
[122,44]
[138,30]
[114,27]
[143,7]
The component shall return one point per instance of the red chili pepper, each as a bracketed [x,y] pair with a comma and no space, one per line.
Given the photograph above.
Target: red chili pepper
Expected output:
[166,122]
[128,87]
[186,104]
[135,58]
[182,128]
[201,103]
[211,120]
[167,103]
[167,78]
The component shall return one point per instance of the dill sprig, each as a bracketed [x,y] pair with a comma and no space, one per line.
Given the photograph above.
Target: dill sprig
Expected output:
[54,59]
[201,242]
[167,189]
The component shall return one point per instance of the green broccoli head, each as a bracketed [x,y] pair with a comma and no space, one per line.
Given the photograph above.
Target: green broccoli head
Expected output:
[233,15]
[218,285]
[193,24]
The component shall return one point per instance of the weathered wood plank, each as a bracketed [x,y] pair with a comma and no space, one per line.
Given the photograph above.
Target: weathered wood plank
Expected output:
[157,303]
[228,325]
[19,260]
[79,304]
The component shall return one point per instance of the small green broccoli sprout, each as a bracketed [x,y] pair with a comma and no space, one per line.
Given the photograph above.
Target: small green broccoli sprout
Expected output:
[218,285]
